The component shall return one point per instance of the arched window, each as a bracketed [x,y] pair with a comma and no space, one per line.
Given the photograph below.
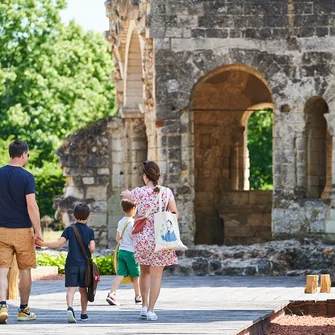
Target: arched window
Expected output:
[133,92]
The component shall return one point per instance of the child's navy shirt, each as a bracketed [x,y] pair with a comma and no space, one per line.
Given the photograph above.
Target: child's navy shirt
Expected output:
[75,257]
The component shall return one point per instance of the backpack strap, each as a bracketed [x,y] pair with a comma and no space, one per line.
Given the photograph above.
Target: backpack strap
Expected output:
[80,241]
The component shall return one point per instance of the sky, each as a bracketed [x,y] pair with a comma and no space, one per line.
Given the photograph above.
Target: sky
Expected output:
[90,14]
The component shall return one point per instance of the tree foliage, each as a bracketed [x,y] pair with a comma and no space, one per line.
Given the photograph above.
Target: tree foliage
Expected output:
[54,79]
[260,150]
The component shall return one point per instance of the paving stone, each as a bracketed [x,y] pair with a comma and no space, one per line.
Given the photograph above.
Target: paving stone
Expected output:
[187,305]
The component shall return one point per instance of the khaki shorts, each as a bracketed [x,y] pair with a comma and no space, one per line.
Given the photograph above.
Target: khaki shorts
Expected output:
[17,241]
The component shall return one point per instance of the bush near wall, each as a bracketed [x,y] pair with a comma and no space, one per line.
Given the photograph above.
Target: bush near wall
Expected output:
[104,263]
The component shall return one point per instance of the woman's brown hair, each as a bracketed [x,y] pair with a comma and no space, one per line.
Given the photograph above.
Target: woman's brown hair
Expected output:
[152,171]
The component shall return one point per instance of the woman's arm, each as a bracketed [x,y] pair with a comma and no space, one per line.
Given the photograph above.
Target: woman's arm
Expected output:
[172,207]
[127,195]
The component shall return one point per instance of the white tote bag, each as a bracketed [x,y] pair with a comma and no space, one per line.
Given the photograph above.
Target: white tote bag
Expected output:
[167,234]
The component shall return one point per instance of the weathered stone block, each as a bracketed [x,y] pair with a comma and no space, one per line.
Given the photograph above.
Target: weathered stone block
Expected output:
[98,220]
[96,192]
[88,180]
[103,171]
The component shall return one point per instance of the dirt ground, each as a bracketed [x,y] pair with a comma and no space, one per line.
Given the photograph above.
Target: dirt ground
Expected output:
[302,325]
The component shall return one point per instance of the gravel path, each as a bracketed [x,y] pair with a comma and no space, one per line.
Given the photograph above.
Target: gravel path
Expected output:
[302,325]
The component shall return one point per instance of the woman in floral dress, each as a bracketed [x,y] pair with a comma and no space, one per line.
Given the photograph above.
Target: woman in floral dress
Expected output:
[152,263]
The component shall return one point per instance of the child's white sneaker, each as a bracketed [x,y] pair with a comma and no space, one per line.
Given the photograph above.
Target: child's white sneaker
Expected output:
[144,312]
[151,316]
[111,299]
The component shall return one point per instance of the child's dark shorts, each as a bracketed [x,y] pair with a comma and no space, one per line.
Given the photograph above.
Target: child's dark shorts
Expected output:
[75,276]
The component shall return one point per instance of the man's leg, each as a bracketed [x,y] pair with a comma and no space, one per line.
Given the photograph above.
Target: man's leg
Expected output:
[25,286]
[24,313]
[26,260]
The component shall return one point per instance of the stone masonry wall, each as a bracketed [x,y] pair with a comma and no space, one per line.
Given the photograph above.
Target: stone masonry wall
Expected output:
[286,47]
[99,162]
[290,43]
[84,160]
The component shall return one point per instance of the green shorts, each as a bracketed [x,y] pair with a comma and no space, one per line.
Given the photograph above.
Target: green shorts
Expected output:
[127,265]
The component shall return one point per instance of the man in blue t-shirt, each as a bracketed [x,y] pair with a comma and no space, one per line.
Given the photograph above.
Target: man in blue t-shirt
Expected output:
[20,227]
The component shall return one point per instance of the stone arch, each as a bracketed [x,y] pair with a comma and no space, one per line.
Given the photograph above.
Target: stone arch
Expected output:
[237,75]
[318,149]
[133,73]
[225,212]
[260,63]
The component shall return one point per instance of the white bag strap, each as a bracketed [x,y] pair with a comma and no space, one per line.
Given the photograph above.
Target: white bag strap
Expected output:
[160,199]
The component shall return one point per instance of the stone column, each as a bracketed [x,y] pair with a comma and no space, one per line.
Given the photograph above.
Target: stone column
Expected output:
[299,124]
[234,166]
[330,218]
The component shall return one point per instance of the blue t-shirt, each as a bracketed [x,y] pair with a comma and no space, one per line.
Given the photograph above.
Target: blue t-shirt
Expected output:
[74,256]
[15,184]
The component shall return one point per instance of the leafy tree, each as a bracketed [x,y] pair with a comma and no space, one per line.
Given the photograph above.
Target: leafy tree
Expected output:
[54,79]
[260,150]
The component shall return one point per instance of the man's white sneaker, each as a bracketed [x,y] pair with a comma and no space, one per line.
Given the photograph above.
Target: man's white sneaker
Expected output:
[144,312]
[151,316]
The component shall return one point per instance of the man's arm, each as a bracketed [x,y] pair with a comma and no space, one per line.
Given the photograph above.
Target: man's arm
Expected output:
[34,215]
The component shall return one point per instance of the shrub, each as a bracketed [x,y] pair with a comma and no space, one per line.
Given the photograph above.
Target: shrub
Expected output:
[52,260]
[104,263]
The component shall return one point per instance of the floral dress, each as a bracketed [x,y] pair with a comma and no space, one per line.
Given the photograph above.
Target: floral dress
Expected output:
[144,242]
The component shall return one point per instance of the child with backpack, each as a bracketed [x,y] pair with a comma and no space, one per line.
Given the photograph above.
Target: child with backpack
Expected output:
[75,266]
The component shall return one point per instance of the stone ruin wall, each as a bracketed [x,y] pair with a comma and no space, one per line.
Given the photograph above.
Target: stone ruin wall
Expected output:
[225,59]
[99,162]
[291,45]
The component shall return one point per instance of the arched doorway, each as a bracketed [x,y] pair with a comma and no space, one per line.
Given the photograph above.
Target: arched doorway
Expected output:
[226,211]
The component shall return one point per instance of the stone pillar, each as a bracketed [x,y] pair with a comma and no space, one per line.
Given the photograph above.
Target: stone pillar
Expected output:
[330,217]
[127,151]
[299,124]
[234,166]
